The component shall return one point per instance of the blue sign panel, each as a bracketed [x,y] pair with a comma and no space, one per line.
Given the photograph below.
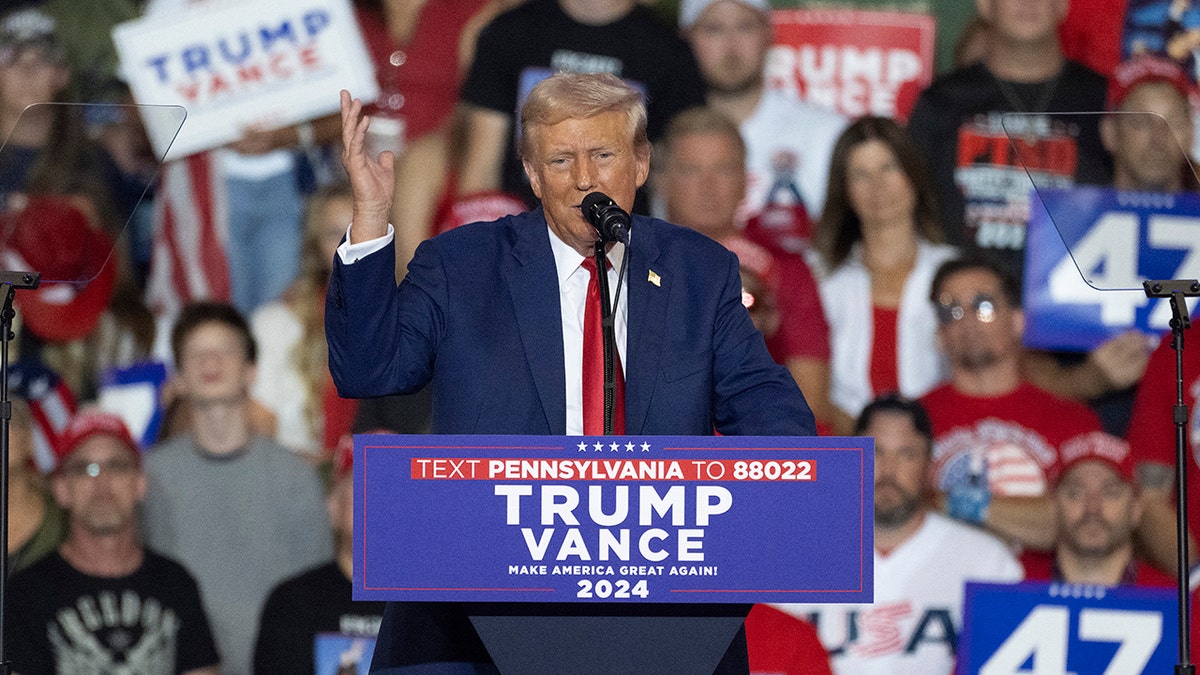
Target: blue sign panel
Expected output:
[1066,628]
[336,654]
[613,519]
[1117,239]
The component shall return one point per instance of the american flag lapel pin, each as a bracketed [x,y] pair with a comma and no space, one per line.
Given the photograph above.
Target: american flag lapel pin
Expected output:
[655,279]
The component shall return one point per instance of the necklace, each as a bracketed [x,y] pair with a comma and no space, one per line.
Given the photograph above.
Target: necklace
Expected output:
[1045,93]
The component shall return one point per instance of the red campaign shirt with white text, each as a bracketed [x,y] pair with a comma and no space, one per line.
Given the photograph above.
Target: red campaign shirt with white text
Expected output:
[1151,432]
[1010,442]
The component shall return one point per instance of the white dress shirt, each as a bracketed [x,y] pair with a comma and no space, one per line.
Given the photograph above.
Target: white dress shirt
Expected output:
[572,290]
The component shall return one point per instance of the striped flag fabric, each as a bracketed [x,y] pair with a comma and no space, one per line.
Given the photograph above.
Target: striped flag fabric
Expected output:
[190,235]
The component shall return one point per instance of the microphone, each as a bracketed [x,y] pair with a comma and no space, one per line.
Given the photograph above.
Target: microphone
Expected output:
[609,219]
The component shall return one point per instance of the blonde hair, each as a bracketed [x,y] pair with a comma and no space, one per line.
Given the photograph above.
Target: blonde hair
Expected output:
[697,121]
[564,96]
[306,298]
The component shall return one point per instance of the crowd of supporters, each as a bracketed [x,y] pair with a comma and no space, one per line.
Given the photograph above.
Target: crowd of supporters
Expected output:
[883,258]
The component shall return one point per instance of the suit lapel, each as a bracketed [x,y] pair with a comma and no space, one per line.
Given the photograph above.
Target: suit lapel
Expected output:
[649,289]
[533,287]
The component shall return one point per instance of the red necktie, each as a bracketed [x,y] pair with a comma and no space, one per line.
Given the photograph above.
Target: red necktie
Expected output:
[593,365]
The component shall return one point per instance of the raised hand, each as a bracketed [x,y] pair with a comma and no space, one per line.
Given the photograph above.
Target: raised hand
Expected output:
[371,178]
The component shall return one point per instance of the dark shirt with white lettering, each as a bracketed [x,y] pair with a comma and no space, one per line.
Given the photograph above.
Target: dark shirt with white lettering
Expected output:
[301,608]
[536,38]
[983,138]
[150,622]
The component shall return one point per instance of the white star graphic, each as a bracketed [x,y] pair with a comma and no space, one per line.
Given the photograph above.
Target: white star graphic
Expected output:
[629,447]
[613,447]
[582,446]
[645,447]
[599,446]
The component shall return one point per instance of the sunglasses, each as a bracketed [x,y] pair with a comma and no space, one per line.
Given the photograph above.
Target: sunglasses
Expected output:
[983,307]
[113,467]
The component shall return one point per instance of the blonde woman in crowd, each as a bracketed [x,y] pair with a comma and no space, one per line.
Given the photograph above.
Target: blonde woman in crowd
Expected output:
[293,380]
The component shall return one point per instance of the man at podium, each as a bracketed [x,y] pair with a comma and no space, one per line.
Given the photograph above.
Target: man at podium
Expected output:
[499,318]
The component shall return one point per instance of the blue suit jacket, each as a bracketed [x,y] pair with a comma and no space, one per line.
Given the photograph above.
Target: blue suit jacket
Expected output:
[478,314]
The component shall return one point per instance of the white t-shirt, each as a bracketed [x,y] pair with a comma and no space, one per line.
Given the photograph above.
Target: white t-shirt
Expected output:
[278,384]
[914,624]
[791,141]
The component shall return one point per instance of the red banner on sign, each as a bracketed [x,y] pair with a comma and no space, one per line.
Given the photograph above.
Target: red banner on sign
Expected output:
[856,62]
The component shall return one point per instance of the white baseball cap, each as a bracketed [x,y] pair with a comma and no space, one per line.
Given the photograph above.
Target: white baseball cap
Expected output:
[690,10]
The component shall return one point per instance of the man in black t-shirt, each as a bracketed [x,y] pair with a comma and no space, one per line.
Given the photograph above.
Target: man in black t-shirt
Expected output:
[102,604]
[311,617]
[528,43]
[960,122]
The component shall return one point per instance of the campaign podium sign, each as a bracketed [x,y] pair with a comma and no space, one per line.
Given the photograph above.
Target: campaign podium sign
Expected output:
[1068,628]
[621,519]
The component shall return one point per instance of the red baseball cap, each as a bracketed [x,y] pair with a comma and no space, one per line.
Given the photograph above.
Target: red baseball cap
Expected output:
[93,423]
[1131,74]
[1097,446]
[53,237]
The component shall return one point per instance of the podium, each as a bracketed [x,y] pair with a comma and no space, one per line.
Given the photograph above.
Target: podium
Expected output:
[612,554]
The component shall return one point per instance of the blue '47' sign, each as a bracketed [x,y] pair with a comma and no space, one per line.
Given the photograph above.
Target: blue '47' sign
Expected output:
[1062,629]
[1117,239]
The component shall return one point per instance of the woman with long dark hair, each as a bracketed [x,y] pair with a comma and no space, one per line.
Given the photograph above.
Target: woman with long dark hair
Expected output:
[881,241]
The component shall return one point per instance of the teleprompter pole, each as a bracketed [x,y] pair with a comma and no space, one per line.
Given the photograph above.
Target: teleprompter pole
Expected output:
[10,283]
[1177,291]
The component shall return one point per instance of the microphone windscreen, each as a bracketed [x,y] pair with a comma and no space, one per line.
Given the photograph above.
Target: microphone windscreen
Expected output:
[590,205]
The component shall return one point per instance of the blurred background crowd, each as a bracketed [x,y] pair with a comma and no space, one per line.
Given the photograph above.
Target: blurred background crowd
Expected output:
[882,240]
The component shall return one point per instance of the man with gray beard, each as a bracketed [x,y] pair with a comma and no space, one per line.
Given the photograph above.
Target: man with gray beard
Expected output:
[922,560]
[997,437]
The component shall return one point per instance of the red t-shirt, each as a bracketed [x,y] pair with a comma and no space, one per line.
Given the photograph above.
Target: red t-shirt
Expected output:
[1151,432]
[781,644]
[1012,441]
[803,331]
[418,81]
[339,415]
[1091,33]
[885,370]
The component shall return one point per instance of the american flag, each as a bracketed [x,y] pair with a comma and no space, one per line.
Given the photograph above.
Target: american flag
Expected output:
[51,404]
[190,235]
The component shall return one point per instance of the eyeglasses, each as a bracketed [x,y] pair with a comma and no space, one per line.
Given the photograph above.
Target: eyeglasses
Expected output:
[983,306]
[113,467]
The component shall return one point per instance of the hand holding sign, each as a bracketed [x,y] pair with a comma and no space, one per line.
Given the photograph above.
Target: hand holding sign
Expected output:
[1123,359]
[372,178]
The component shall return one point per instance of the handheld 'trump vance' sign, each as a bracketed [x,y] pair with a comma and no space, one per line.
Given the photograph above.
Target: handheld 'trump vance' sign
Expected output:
[256,63]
